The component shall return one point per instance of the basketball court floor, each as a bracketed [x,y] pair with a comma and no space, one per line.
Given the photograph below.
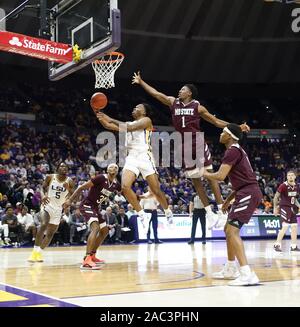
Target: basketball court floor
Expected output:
[168,274]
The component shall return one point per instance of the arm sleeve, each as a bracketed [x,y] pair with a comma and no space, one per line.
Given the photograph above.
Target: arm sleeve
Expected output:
[231,157]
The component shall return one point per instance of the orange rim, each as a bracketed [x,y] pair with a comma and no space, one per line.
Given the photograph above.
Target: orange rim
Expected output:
[119,54]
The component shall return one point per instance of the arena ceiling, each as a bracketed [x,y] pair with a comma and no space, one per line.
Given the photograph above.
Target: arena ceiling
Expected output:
[204,41]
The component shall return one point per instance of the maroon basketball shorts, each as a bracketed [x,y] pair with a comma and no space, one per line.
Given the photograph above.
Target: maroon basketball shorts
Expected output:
[193,170]
[288,215]
[90,214]
[246,201]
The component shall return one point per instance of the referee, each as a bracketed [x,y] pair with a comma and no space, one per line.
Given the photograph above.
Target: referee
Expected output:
[149,204]
[197,211]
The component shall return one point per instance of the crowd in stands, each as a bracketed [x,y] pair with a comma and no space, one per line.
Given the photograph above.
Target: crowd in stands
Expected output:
[65,128]
[28,154]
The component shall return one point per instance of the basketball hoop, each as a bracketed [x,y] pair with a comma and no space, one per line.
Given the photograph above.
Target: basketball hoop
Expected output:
[105,69]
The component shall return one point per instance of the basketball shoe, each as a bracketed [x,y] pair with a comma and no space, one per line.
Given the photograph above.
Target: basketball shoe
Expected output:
[97,260]
[277,247]
[32,257]
[222,219]
[169,216]
[228,272]
[211,219]
[245,280]
[89,264]
[145,219]
[39,257]
[295,249]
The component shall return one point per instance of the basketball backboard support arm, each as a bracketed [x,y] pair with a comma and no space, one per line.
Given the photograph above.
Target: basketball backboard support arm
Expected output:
[2,20]
[44,20]
[84,21]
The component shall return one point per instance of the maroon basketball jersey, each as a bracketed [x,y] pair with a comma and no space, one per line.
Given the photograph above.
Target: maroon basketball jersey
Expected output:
[241,173]
[185,117]
[288,194]
[102,189]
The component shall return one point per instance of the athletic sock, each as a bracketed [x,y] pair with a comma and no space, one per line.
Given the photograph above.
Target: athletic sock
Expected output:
[231,263]
[37,248]
[245,270]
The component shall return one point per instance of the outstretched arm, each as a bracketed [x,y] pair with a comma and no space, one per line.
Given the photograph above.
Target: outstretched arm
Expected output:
[109,123]
[216,121]
[78,191]
[116,125]
[167,100]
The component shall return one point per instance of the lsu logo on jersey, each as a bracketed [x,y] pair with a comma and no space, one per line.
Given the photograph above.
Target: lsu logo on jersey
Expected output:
[58,188]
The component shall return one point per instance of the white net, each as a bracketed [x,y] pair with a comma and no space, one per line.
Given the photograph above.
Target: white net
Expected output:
[105,69]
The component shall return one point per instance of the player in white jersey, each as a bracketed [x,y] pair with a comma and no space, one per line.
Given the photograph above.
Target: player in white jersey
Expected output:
[55,191]
[139,156]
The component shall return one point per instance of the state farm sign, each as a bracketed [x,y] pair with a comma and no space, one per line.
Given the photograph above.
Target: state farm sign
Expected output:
[35,47]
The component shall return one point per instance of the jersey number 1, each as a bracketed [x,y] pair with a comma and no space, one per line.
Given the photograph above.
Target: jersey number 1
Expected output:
[183,122]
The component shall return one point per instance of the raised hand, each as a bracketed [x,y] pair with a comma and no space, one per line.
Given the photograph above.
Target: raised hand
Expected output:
[245,127]
[102,117]
[136,79]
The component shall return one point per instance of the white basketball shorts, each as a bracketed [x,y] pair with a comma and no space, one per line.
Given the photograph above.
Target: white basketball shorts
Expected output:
[141,163]
[55,213]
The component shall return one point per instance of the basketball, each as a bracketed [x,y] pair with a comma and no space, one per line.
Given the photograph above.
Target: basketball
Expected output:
[98,101]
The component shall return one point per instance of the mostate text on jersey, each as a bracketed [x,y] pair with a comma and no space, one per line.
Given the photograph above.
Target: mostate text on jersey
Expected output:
[184,112]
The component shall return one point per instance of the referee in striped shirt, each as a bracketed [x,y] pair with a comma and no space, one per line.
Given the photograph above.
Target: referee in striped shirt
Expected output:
[197,211]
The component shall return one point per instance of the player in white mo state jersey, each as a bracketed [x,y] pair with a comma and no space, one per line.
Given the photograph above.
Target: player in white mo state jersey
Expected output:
[55,191]
[139,157]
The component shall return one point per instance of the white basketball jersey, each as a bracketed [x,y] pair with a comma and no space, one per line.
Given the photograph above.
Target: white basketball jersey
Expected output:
[139,141]
[57,192]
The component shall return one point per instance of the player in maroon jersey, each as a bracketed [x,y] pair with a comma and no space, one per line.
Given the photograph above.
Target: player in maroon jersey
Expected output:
[246,195]
[101,188]
[286,199]
[186,114]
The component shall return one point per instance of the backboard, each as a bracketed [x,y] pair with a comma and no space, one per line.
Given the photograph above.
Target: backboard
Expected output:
[2,22]
[95,26]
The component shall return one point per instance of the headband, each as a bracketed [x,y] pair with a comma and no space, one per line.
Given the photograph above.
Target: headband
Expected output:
[227,130]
